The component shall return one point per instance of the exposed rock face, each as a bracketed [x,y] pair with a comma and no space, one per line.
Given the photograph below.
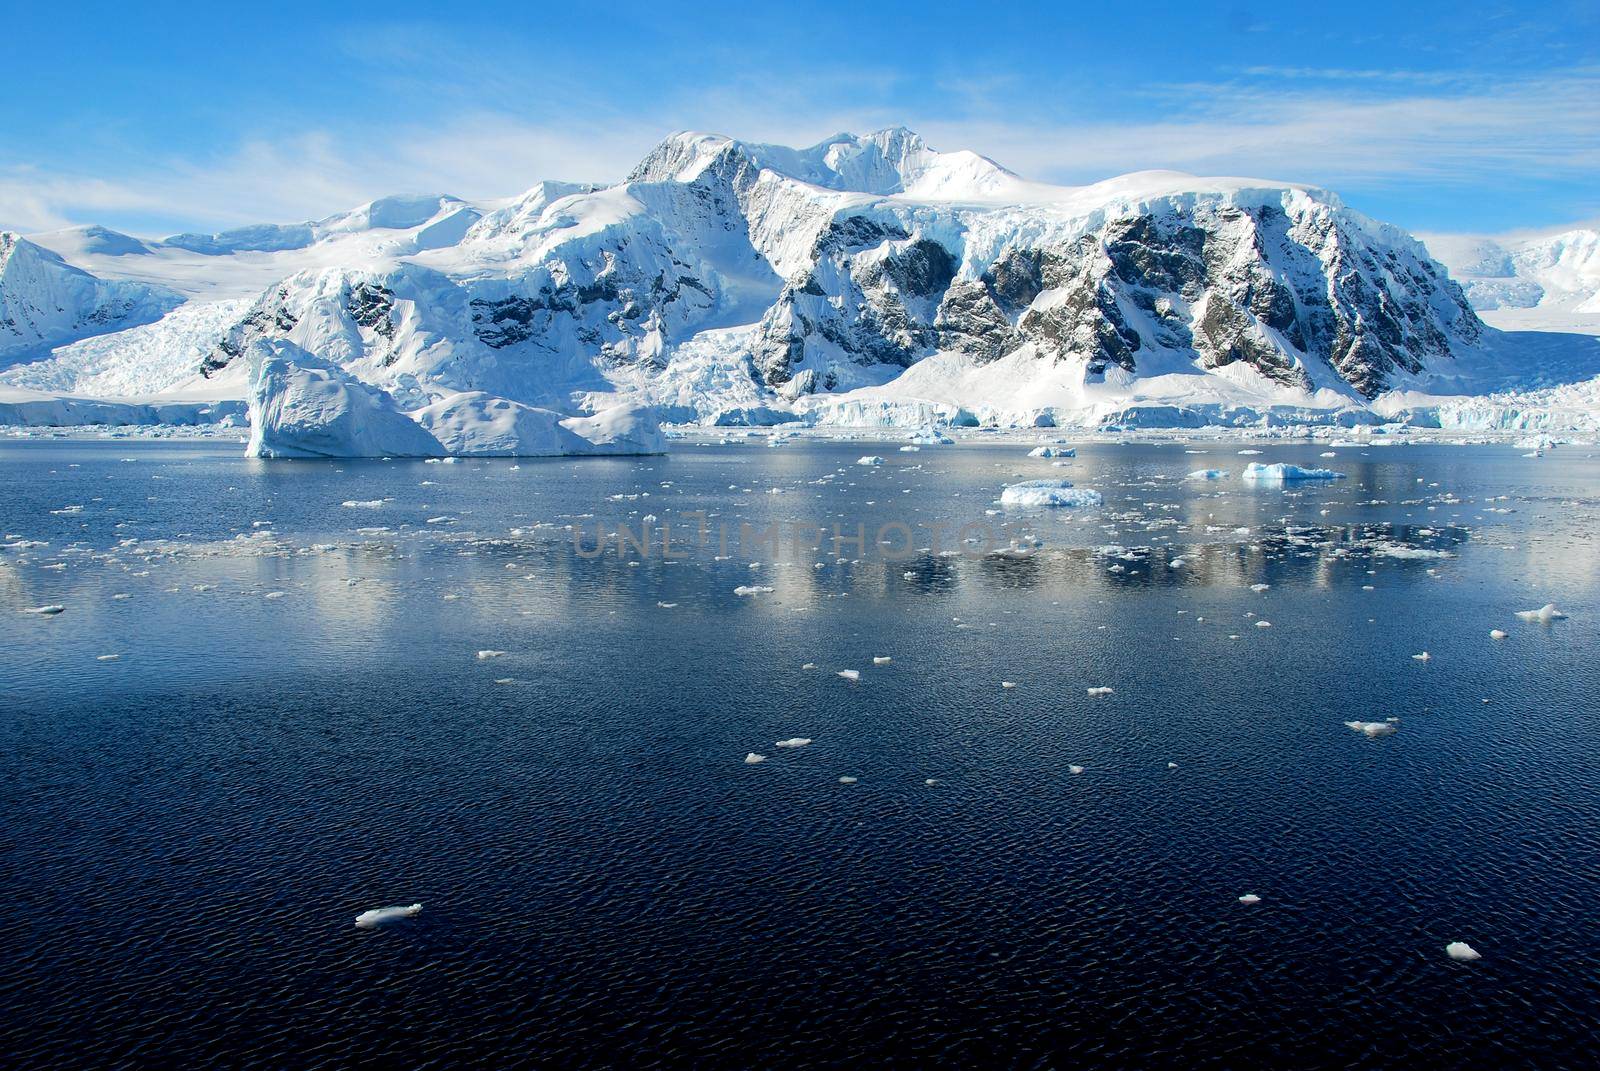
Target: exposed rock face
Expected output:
[1286,288]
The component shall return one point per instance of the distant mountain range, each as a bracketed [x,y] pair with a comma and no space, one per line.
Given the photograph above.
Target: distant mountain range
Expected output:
[863,280]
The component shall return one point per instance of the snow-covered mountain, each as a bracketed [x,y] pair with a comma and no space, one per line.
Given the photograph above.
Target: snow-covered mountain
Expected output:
[862,280]
[45,302]
[1548,281]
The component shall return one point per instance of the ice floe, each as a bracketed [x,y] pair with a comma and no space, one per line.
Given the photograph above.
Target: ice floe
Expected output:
[1039,493]
[379,915]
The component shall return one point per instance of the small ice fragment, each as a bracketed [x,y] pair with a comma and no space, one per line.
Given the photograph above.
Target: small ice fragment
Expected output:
[46,611]
[869,460]
[1259,587]
[379,915]
[931,781]
[273,595]
[1096,692]
[1544,614]
[1496,634]
[847,780]
[751,589]
[1461,952]
[881,660]
[850,674]
[1172,766]
[1423,657]
[752,758]
[1373,728]
[666,605]
[809,665]
[1263,624]
[1074,769]
[1249,898]
[1008,684]
[794,741]
[484,656]
[108,658]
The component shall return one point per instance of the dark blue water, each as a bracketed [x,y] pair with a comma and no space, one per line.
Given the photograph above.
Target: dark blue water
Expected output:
[190,830]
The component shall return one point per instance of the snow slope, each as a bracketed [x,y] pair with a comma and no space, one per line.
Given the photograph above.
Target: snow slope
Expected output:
[1542,282]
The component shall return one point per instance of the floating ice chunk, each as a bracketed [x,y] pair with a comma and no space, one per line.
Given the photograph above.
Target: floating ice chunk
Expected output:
[1260,587]
[1423,657]
[1208,474]
[881,660]
[910,449]
[1008,684]
[809,665]
[1544,614]
[1249,898]
[362,503]
[850,674]
[1172,766]
[274,595]
[1263,624]
[108,658]
[1280,472]
[1031,493]
[1096,692]
[1462,952]
[1052,451]
[1327,453]
[1373,729]
[46,611]
[379,915]
[931,781]
[666,605]
[847,780]
[794,741]
[1248,453]
[1496,634]
[1074,769]
[752,758]
[871,459]
[484,656]
[751,589]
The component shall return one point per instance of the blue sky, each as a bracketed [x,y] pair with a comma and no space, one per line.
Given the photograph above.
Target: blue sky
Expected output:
[155,118]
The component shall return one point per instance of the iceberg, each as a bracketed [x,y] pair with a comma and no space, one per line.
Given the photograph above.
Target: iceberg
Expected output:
[1373,729]
[1544,614]
[1280,473]
[1041,493]
[303,406]
[1462,952]
[379,915]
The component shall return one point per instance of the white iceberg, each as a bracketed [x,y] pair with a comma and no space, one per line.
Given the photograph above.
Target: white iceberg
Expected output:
[1249,898]
[752,758]
[1372,729]
[850,674]
[794,741]
[379,915]
[303,406]
[46,611]
[1544,614]
[1208,474]
[1052,451]
[871,459]
[1462,952]
[1042,493]
[1097,692]
[1281,473]
[475,424]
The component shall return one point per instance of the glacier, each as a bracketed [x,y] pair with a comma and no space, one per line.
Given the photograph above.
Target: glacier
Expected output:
[861,282]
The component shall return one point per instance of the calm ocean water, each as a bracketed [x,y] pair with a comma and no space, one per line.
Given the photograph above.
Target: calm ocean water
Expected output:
[297,727]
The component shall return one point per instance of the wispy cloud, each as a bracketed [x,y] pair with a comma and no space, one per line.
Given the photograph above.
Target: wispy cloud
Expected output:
[1334,127]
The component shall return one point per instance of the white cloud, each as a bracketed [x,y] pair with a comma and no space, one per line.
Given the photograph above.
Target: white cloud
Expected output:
[1387,130]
